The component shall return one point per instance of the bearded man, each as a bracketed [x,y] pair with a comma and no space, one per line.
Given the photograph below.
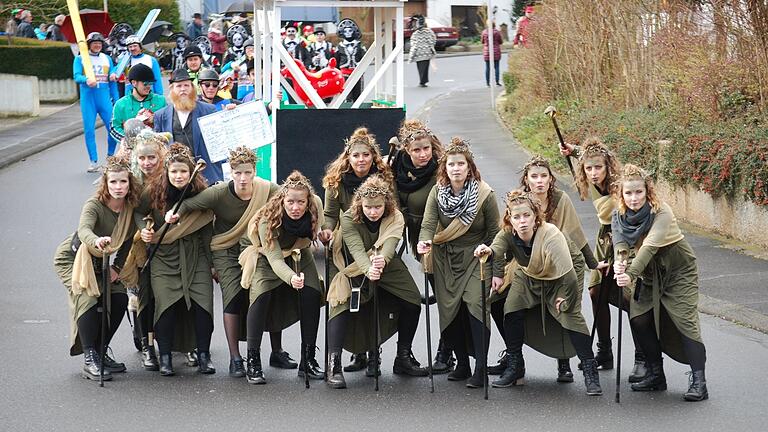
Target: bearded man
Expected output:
[180,119]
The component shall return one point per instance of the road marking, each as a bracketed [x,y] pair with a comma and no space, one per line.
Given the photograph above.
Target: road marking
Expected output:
[36,321]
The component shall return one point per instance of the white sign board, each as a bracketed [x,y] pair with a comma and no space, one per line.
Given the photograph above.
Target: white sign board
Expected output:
[247,125]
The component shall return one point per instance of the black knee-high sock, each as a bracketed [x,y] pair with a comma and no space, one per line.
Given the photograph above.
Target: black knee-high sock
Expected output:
[257,320]
[146,318]
[583,345]
[602,314]
[453,338]
[696,353]
[165,327]
[118,306]
[88,328]
[337,328]
[203,327]
[310,319]
[644,330]
[407,323]
[481,352]
[497,313]
[514,329]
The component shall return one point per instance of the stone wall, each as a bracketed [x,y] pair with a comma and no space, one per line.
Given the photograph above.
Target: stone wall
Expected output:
[21,95]
[61,90]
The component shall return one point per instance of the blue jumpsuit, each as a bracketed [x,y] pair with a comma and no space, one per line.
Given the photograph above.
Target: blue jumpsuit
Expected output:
[96,100]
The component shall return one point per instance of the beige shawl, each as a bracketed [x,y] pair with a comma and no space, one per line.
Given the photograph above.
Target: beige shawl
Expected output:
[230,238]
[604,205]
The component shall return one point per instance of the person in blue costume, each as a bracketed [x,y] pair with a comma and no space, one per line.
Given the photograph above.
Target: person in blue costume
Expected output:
[138,57]
[96,96]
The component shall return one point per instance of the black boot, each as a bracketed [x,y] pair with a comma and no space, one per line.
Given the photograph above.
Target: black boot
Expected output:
[91,365]
[639,370]
[282,360]
[313,368]
[499,367]
[359,361]
[592,378]
[370,366]
[461,372]
[148,356]
[477,379]
[654,380]
[406,364]
[192,358]
[204,363]
[111,365]
[514,373]
[604,356]
[335,375]
[236,367]
[697,387]
[166,364]
[444,361]
[564,374]
[253,373]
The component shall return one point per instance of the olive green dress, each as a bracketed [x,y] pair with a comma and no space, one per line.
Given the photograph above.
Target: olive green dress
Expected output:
[396,279]
[228,208]
[180,270]
[666,264]
[96,220]
[273,274]
[545,327]
[412,204]
[456,270]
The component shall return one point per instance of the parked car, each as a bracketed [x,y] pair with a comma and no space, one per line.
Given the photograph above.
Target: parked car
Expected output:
[446,36]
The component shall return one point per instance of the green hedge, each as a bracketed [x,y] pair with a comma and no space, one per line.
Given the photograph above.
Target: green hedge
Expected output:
[44,59]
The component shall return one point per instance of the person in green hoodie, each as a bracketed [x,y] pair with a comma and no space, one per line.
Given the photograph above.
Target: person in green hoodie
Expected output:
[141,102]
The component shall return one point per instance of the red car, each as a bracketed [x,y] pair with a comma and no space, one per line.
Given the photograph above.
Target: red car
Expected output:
[446,36]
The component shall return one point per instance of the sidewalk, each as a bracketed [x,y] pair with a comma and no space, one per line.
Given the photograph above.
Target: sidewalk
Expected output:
[30,137]
[732,285]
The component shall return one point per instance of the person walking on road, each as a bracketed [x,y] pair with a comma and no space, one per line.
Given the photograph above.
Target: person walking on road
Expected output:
[96,96]
[497,41]
[523,28]
[106,225]
[422,50]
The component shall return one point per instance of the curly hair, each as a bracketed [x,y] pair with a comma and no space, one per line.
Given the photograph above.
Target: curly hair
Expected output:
[340,165]
[273,210]
[594,147]
[242,155]
[158,148]
[373,187]
[414,130]
[519,196]
[158,187]
[115,165]
[457,146]
[631,173]
[538,161]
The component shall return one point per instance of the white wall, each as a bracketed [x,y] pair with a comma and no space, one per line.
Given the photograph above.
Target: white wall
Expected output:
[21,95]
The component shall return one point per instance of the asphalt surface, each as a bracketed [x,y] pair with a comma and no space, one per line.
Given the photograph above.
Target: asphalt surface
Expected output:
[43,389]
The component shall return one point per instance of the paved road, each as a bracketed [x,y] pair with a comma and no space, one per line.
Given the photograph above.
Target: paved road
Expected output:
[43,390]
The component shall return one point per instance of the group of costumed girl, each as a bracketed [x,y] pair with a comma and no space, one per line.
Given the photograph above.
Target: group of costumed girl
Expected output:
[256,239]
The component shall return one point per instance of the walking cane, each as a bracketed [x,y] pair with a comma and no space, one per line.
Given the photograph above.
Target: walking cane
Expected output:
[104,296]
[199,166]
[623,257]
[375,289]
[296,255]
[551,111]
[327,305]
[483,259]
[429,335]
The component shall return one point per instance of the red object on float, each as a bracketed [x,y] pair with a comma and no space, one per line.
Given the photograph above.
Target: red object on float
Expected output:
[328,82]
[93,21]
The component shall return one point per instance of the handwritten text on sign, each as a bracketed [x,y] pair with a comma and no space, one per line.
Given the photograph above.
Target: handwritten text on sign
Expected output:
[247,125]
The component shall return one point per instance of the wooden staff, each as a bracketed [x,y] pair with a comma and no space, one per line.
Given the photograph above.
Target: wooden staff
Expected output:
[296,256]
[375,289]
[429,335]
[484,303]
[551,111]
[327,305]
[104,323]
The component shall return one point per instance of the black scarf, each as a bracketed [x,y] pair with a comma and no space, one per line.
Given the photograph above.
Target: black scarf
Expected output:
[409,178]
[351,181]
[173,195]
[372,226]
[300,228]
[632,225]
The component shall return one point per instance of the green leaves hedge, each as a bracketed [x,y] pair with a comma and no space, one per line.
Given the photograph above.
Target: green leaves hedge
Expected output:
[44,59]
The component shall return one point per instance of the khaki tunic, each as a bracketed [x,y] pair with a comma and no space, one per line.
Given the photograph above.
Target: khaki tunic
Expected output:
[273,274]
[228,208]
[396,279]
[412,205]
[337,201]
[96,220]
[545,327]
[456,270]
[180,270]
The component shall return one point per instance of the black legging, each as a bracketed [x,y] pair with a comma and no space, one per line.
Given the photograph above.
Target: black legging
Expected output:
[166,324]
[310,318]
[423,68]
[147,316]
[455,337]
[497,313]
[89,323]
[644,330]
[407,322]
[514,328]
